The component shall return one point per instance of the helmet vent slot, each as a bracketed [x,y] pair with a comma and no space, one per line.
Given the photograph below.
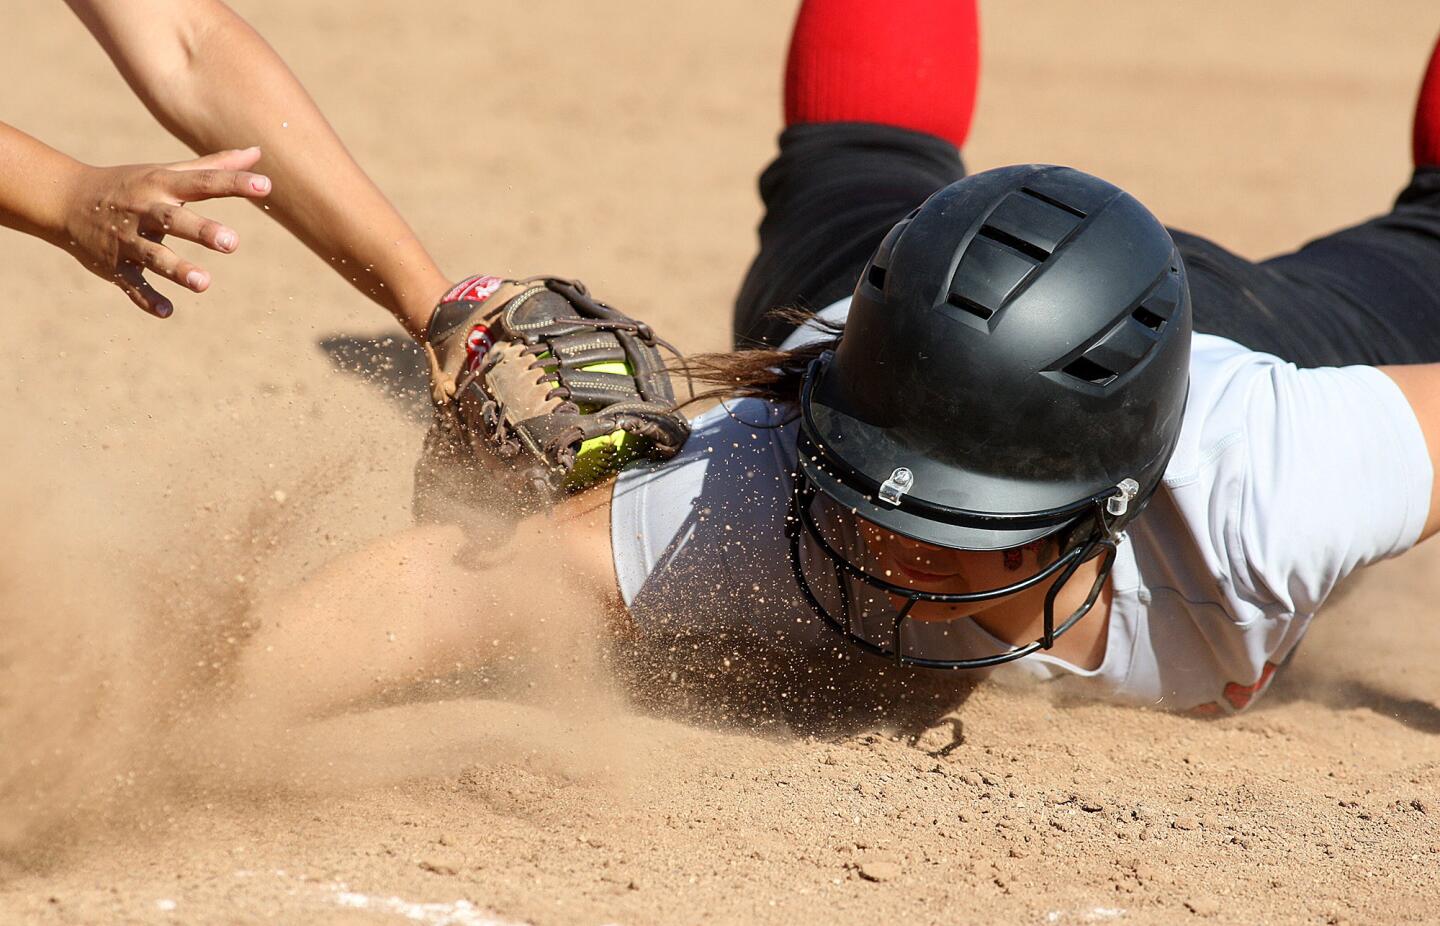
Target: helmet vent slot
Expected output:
[1052,201]
[1148,318]
[876,276]
[969,305]
[989,274]
[1030,226]
[1033,251]
[1091,372]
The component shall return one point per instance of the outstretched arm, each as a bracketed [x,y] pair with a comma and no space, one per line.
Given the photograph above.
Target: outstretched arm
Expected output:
[429,601]
[214,83]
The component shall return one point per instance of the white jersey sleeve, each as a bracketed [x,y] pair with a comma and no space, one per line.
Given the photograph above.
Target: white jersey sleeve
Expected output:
[1336,476]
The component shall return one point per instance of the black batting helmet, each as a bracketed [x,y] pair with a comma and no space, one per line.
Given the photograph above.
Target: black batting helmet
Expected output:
[1014,365]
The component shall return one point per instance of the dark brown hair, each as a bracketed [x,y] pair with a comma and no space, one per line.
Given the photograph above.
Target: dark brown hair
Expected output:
[760,372]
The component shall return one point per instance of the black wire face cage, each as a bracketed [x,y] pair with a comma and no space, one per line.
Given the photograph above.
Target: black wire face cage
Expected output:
[1092,536]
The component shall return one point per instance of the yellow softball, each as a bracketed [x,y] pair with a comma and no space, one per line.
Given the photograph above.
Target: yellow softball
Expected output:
[601,456]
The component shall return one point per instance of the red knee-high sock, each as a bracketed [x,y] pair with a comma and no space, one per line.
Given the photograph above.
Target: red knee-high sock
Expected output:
[1427,115]
[908,63]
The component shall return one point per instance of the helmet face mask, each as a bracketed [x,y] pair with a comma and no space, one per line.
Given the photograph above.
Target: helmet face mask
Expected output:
[1014,366]
[878,614]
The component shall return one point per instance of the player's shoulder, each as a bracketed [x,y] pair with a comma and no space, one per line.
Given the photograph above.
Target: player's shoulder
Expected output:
[1223,377]
[748,434]
[1216,362]
[739,453]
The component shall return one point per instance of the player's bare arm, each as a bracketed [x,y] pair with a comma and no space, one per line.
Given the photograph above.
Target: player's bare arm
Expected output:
[386,616]
[216,84]
[1420,384]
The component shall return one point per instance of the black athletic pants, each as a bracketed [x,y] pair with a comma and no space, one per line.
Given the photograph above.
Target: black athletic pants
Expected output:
[1368,294]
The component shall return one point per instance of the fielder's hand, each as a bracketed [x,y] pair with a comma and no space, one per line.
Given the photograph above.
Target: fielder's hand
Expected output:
[116,220]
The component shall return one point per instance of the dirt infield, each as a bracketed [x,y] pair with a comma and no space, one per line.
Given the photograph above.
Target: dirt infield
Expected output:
[160,479]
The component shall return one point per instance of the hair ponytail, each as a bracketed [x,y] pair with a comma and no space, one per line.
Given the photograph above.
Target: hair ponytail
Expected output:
[761,372]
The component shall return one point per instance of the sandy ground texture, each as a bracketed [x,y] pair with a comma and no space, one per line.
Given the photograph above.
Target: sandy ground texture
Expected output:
[161,479]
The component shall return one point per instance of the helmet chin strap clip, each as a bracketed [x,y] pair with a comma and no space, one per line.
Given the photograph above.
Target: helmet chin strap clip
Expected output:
[898,484]
[1125,493]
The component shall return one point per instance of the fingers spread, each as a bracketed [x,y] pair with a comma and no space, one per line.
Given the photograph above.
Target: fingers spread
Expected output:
[173,219]
[208,183]
[170,265]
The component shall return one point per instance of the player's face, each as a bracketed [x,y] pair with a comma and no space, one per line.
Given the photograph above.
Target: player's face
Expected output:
[928,568]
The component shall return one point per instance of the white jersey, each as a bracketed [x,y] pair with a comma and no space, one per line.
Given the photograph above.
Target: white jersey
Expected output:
[1282,483]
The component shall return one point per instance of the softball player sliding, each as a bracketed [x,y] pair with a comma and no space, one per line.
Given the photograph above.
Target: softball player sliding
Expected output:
[1027,425]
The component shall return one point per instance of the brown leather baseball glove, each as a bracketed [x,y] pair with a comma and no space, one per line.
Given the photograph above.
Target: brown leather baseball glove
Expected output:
[546,389]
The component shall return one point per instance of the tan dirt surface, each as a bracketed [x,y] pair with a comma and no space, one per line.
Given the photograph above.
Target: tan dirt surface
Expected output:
[159,479]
